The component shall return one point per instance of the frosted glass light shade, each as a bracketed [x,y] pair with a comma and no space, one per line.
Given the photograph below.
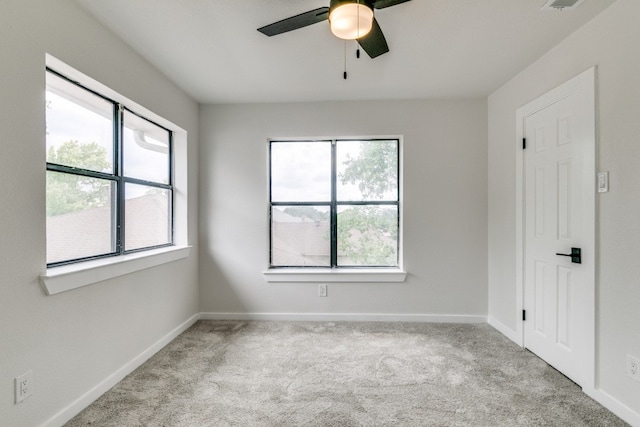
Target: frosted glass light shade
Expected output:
[351,21]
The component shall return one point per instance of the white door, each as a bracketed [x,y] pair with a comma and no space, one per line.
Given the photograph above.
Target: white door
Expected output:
[559,186]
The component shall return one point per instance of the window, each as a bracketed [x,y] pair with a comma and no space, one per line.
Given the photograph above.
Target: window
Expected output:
[334,203]
[109,176]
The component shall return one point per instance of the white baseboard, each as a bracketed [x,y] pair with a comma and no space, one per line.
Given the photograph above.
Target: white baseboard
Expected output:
[353,317]
[615,406]
[89,397]
[606,400]
[504,330]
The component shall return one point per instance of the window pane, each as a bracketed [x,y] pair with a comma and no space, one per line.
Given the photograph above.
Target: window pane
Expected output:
[79,127]
[368,236]
[147,216]
[146,149]
[367,170]
[301,171]
[300,236]
[80,217]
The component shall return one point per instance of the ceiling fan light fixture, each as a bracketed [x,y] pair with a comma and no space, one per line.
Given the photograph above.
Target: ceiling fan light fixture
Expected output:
[351,21]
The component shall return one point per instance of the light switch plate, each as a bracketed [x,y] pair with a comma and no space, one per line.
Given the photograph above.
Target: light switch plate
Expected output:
[603,182]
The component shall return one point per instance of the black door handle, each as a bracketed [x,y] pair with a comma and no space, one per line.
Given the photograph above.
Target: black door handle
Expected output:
[576,255]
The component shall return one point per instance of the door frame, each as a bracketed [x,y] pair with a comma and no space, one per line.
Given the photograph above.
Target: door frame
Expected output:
[584,84]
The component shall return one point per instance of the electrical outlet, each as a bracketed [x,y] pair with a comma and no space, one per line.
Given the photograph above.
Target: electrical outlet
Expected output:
[633,367]
[322,290]
[23,386]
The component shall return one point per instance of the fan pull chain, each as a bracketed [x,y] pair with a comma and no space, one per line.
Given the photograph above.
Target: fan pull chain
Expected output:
[358,47]
[344,75]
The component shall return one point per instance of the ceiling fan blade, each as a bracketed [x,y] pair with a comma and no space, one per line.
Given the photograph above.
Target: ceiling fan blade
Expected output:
[295,22]
[381,4]
[374,43]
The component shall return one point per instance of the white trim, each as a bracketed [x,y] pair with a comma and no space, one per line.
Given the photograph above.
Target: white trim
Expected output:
[585,83]
[73,276]
[89,397]
[67,413]
[504,330]
[614,405]
[276,275]
[353,317]
[65,278]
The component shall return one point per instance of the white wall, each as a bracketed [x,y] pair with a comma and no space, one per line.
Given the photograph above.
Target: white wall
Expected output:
[445,231]
[74,340]
[610,41]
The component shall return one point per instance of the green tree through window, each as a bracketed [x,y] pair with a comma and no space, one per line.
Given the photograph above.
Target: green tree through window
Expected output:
[374,170]
[70,193]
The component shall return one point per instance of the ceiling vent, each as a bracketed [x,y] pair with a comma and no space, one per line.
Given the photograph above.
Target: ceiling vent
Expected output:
[561,4]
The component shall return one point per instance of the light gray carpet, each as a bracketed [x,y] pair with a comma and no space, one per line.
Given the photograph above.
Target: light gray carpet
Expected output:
[233,373]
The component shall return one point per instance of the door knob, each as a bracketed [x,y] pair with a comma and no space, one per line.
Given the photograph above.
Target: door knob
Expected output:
[576,255]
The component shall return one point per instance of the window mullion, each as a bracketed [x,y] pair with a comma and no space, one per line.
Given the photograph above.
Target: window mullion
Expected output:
[78,171]
[119,165]
[172,210]
[334,209]
[146,183]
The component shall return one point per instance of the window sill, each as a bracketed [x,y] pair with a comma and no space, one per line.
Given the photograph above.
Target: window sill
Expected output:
[388,275]
[68,277]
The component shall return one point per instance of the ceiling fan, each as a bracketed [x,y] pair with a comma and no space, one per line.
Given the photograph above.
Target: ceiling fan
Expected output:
[349,20]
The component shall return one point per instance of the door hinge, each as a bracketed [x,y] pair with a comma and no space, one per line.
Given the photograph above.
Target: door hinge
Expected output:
[524,143]
[524,315]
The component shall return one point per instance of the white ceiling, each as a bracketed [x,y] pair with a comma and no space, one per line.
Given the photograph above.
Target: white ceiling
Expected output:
[438,48]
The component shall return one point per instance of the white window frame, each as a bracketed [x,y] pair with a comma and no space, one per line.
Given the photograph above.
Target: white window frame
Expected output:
[67,277]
